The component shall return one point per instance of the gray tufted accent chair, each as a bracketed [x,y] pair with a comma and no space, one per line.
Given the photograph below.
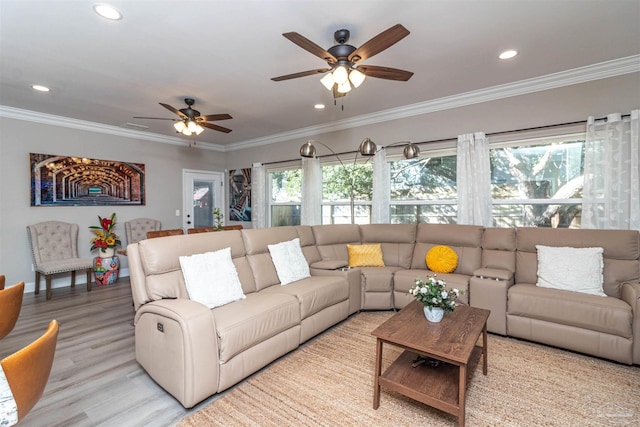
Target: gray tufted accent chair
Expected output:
[54,245]
[136,229]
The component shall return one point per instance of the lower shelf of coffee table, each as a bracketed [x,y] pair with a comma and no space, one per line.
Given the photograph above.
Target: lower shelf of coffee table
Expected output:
[435,386]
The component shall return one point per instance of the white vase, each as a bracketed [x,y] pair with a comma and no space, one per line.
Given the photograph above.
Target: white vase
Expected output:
[108,252]
[433,314]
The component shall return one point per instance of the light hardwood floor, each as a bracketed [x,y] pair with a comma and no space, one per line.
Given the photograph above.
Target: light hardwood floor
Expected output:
[95,378]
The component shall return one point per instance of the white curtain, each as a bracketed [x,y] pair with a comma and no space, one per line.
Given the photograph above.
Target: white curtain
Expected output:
[311,210]
[611,192]
[381,198]
[474,180]
[259,204]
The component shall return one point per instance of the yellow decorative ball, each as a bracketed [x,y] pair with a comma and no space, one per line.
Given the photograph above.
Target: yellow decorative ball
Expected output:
[442,259]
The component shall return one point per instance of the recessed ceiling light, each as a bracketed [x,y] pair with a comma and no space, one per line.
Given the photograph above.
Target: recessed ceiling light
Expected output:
[318,106]
[41,88]
[508,54]
[107,11]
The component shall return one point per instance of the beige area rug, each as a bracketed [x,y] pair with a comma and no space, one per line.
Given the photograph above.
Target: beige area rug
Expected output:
[329,382]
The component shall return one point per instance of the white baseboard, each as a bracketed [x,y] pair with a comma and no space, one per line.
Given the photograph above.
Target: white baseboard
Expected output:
[64,281]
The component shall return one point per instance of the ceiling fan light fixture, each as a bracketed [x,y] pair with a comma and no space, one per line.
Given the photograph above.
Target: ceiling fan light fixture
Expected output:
[192,126]
[179,125]
[356,77]
[199,129]
[327,81]
[344,87]
[340,75]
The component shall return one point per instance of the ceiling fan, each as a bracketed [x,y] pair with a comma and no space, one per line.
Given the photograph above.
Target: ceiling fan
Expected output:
[191,121]
[343,60]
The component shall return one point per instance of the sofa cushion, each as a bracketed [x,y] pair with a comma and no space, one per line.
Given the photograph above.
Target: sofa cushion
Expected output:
[378,279]
[602,314]
[314,293]
[365,255]
[248,322]
[211,278]
[290,263]
[570,269]
[621,252]
[442,259]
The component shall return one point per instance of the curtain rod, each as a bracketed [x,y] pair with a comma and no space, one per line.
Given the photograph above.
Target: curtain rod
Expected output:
[504,132]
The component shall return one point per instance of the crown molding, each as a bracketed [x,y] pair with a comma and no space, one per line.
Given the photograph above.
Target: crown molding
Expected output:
[50,119]
[603,70]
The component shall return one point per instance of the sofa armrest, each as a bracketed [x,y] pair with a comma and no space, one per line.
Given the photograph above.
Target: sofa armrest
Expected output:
[176,343]
[493,273]
[330,264]
[352,275]
[488,289]
[631,295]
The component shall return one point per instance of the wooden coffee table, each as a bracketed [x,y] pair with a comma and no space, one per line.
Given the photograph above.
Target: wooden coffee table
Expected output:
[453,341]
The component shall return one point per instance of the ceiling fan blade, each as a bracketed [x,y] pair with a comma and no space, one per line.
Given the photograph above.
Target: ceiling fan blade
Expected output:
[379,43]
[310,46]
[174,110]
[385,72]
[213,117]
[153,118]
[301,74]
[214,127]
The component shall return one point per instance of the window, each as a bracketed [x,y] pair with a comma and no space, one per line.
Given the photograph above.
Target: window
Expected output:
[338,182]
[284,203]
[538,183]
[424,189]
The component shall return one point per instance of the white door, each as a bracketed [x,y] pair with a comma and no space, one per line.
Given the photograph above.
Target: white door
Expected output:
[202,192]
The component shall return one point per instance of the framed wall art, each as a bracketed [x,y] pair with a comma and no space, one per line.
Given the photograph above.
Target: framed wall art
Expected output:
[79,181]
[240,194]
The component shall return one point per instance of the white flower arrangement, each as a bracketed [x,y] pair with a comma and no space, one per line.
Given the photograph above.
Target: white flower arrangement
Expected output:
[432,293]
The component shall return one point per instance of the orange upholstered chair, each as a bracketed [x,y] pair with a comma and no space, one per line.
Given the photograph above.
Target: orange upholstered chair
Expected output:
[10,305]
[232,227]
[200,230]
[164,233]
[27,372]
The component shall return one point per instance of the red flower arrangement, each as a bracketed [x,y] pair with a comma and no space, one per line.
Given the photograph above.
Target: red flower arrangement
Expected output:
[105,237]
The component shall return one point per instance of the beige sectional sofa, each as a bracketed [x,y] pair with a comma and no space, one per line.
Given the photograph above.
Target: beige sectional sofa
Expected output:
[194,352]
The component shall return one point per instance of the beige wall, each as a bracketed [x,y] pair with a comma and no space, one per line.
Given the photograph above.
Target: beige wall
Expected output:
[163,165]
[566,104]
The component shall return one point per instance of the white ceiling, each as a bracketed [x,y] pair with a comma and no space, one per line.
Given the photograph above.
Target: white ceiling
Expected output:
[223,54]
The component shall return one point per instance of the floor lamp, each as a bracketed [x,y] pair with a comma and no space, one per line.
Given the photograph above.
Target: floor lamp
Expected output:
[367,149]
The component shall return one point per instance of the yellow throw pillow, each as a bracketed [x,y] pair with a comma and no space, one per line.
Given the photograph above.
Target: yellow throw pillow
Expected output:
[442,259]
[365,255]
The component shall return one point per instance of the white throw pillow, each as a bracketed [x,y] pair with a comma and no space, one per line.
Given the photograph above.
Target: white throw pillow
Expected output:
[211,278]
[291,265]
[571,269]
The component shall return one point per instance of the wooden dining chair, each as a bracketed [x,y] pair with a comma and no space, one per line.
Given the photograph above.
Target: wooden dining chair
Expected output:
[10,305]
[164,233]
[2,279]
[27,370]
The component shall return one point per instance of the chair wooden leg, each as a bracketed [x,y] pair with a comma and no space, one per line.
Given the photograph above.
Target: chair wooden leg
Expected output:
[37,291]
[89,279]
[47,279]
[73,279]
